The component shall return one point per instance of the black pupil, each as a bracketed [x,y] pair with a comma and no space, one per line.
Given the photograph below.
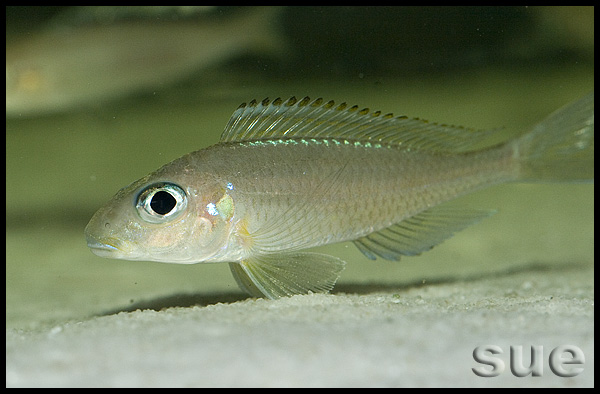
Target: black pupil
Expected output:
[162,202]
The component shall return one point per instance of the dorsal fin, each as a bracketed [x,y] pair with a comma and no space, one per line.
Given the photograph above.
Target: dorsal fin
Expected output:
[293,118]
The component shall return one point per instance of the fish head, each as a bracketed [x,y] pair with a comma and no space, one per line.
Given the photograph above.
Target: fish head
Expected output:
[165,219]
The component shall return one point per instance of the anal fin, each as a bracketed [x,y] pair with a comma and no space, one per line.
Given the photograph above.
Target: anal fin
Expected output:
[283,275]
[419,233]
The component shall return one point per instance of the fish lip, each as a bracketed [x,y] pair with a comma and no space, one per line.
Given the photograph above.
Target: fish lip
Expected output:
[101,248]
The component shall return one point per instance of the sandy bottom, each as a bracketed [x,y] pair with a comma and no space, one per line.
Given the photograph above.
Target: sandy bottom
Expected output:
[419,335]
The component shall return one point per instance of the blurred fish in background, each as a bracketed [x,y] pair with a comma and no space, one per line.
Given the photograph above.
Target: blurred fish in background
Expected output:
[88,55]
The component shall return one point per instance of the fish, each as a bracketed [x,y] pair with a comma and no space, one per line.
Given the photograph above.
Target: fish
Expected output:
[289,175]
[63,68]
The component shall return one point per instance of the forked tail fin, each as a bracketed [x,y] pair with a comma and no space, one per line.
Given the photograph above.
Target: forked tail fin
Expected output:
[561,147]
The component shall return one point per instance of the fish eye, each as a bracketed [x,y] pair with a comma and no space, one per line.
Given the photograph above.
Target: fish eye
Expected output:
[161,202]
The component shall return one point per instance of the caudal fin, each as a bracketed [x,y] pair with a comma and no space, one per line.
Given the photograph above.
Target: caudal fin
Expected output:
[561,147]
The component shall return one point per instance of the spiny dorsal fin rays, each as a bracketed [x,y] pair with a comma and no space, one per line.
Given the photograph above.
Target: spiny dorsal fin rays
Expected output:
[304,118]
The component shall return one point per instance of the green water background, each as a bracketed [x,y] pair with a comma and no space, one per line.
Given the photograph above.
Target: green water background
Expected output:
[62,167]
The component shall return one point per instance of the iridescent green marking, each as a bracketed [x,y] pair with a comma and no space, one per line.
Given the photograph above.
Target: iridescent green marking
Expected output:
[316,141]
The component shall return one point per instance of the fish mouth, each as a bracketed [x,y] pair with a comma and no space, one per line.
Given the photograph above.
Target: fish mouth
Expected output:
[102,249]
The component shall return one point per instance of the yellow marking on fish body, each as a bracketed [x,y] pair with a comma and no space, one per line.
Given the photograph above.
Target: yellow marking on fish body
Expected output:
[225,207]
[243,236]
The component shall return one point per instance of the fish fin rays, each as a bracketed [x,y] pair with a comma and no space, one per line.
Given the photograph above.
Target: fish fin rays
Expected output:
[306,118]
[292,228]
[287,274]
[419,233]
[561,147]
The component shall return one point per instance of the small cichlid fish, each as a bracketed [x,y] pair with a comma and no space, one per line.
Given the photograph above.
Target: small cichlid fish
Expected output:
[291,175]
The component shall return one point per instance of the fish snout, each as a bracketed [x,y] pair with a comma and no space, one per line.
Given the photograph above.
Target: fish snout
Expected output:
[100,248]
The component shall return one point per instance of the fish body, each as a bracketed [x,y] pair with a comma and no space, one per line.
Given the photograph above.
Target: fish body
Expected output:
[292,175]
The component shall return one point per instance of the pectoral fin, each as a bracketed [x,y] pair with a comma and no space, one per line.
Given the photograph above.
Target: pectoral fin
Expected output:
[284,275]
